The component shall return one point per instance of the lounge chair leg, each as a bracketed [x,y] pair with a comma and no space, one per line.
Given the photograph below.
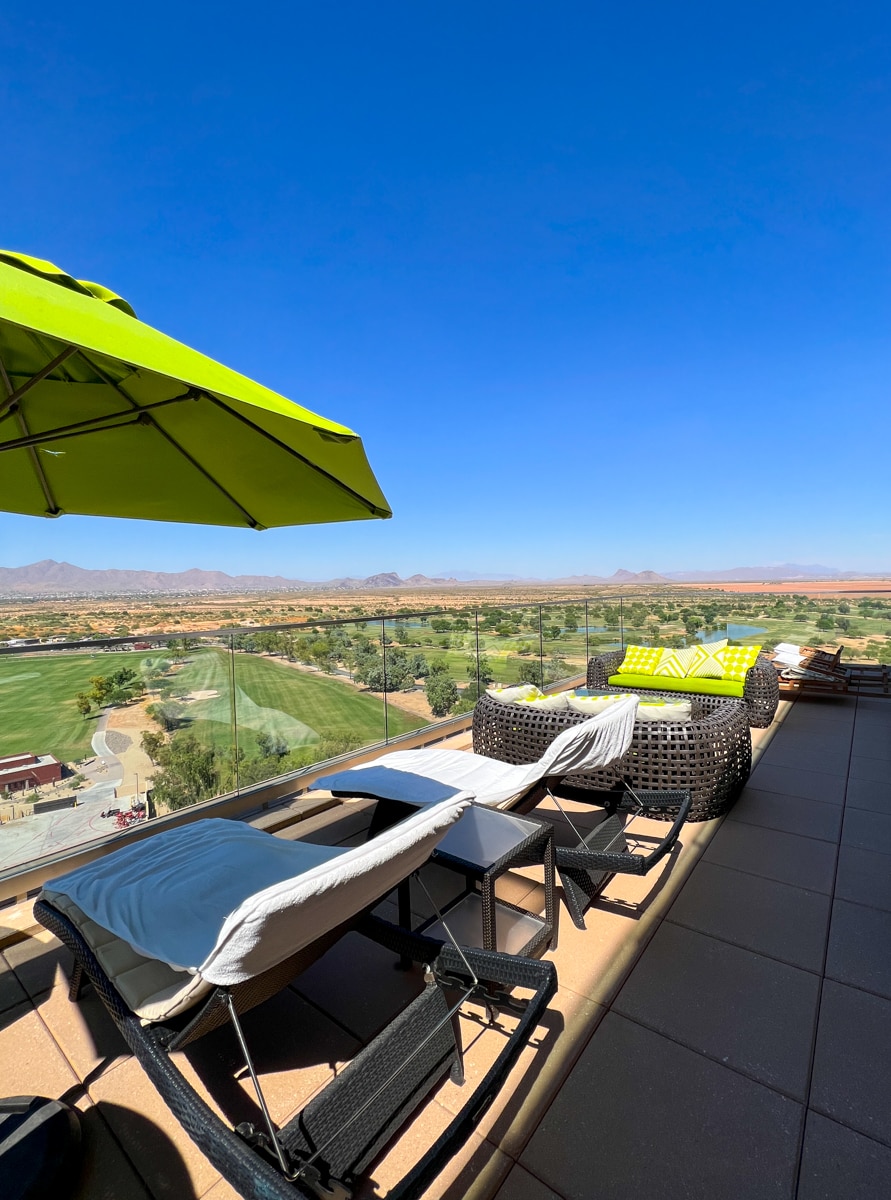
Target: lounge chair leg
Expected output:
[76,982]
[283,1163]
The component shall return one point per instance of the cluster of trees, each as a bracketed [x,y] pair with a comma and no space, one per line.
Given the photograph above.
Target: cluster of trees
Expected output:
[119,687]
[189,771]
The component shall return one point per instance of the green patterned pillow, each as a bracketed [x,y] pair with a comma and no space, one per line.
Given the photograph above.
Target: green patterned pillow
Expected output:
[737,660]
[676,663]
[708,662]
[640,660]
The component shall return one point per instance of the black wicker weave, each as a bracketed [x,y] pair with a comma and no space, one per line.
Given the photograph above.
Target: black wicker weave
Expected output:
[710,757]
[352,1119]
[761,690]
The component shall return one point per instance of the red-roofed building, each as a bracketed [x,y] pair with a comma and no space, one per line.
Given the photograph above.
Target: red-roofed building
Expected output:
[18,772]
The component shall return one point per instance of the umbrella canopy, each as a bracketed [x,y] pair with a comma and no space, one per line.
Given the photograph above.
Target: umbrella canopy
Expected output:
[105,416]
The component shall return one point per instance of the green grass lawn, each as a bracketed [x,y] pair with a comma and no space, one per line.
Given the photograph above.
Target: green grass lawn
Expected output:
[37,702]
[272,697]
[39,714]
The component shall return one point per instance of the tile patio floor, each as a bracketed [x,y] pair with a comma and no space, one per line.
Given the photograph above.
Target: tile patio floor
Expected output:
[721,1029]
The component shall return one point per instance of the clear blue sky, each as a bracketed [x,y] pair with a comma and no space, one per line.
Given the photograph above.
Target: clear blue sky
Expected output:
[599,286]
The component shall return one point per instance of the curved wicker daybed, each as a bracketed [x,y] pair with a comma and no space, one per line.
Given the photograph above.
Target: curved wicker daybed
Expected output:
[761,690]
[710,757]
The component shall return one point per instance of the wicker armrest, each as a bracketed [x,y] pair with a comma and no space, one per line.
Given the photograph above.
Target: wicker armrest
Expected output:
[761,692]
[601,667]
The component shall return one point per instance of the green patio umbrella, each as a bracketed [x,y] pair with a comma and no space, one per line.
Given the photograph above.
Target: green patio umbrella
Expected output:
[105,416]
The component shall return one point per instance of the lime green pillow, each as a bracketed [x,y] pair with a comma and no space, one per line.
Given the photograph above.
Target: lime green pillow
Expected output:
[738,660]
[708,661]
[676,663]
[511,695]
[554,702]
[640,660]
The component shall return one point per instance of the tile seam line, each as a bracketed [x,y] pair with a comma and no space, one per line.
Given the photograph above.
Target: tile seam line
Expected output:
[851,1129]
[727,1066]
[788,795]
[755,875]
[776,829]
[783,962]
[822,988]
[84,1089]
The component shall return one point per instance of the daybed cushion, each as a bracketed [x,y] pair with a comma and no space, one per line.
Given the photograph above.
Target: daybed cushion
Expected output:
[596,702]
[553,703]
[709,687]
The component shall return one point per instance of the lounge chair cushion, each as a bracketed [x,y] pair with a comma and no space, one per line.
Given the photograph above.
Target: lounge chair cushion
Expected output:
[665,710]
[227,901]
[154,990]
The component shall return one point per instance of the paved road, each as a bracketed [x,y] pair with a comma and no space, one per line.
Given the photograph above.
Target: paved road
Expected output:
[51,833]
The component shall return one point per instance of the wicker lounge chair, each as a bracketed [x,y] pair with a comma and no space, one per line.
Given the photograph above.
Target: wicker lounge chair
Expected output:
[611,849]
[519,752]
[760,690]
[710,756]
[426,776]
[169,972]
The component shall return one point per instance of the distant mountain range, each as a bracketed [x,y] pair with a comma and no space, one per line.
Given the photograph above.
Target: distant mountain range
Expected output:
[50,578]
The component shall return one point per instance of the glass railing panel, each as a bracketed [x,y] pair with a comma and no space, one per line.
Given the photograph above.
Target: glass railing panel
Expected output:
[189,738]
[307,693]
[602,624]
[89,732]
[427,669]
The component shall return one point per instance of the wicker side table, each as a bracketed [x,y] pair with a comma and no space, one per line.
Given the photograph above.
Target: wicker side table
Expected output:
[710,756]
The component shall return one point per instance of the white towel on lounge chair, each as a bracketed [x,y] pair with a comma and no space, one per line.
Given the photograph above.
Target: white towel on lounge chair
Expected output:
[425,776]
[226,901]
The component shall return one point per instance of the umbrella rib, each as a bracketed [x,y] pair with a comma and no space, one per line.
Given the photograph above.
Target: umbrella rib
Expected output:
[190,394]
[91,425]
[16,395]
[53,509]
[372,508]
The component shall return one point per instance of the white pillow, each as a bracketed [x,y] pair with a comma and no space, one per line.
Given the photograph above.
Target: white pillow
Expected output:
[787,648]
[591,705]
[678,711]
[510,695]
[558,701]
